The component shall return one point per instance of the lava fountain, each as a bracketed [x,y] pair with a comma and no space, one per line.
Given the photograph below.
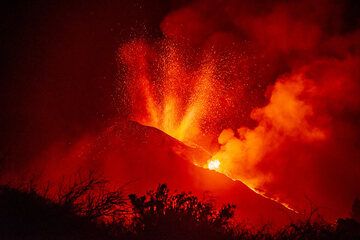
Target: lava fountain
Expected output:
[180,99]
[177,99]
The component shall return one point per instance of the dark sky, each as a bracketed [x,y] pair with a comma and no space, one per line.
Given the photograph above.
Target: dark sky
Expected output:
[59,67]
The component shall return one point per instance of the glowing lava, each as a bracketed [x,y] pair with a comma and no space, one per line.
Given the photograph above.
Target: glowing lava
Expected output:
[213,164]
[167,92]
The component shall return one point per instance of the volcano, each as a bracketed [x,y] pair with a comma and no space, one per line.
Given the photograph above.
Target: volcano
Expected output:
[142,157]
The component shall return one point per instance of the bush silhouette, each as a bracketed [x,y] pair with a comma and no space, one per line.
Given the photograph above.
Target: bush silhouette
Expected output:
[86,210]
[26,215]
[90,198]
[77,212]
[159,215]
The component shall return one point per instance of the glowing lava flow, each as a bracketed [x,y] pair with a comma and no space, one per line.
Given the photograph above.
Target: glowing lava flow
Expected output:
[213,164]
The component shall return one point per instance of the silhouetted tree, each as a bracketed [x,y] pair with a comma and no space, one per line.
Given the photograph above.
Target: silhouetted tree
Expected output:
[86,210]
[306,230]
[349,228]
[160,215]
[89,197]
[27,215]
[79,212]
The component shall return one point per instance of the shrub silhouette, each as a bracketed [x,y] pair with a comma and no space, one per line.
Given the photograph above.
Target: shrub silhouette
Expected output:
[349,228]
[26,215]
[159,215]
[86,210]
[77,213]
[90,198]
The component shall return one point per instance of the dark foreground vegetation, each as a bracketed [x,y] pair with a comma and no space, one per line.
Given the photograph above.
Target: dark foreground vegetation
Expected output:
[86,210]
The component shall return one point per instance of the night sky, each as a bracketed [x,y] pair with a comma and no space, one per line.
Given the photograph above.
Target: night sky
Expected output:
[59,67]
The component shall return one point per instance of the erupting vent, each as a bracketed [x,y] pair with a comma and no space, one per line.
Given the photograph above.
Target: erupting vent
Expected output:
[268,94]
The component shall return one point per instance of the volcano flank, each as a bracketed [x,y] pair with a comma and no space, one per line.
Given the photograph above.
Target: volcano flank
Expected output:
[143,157]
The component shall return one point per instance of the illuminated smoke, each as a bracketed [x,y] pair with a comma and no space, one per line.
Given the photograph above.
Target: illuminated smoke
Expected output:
[285,117]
